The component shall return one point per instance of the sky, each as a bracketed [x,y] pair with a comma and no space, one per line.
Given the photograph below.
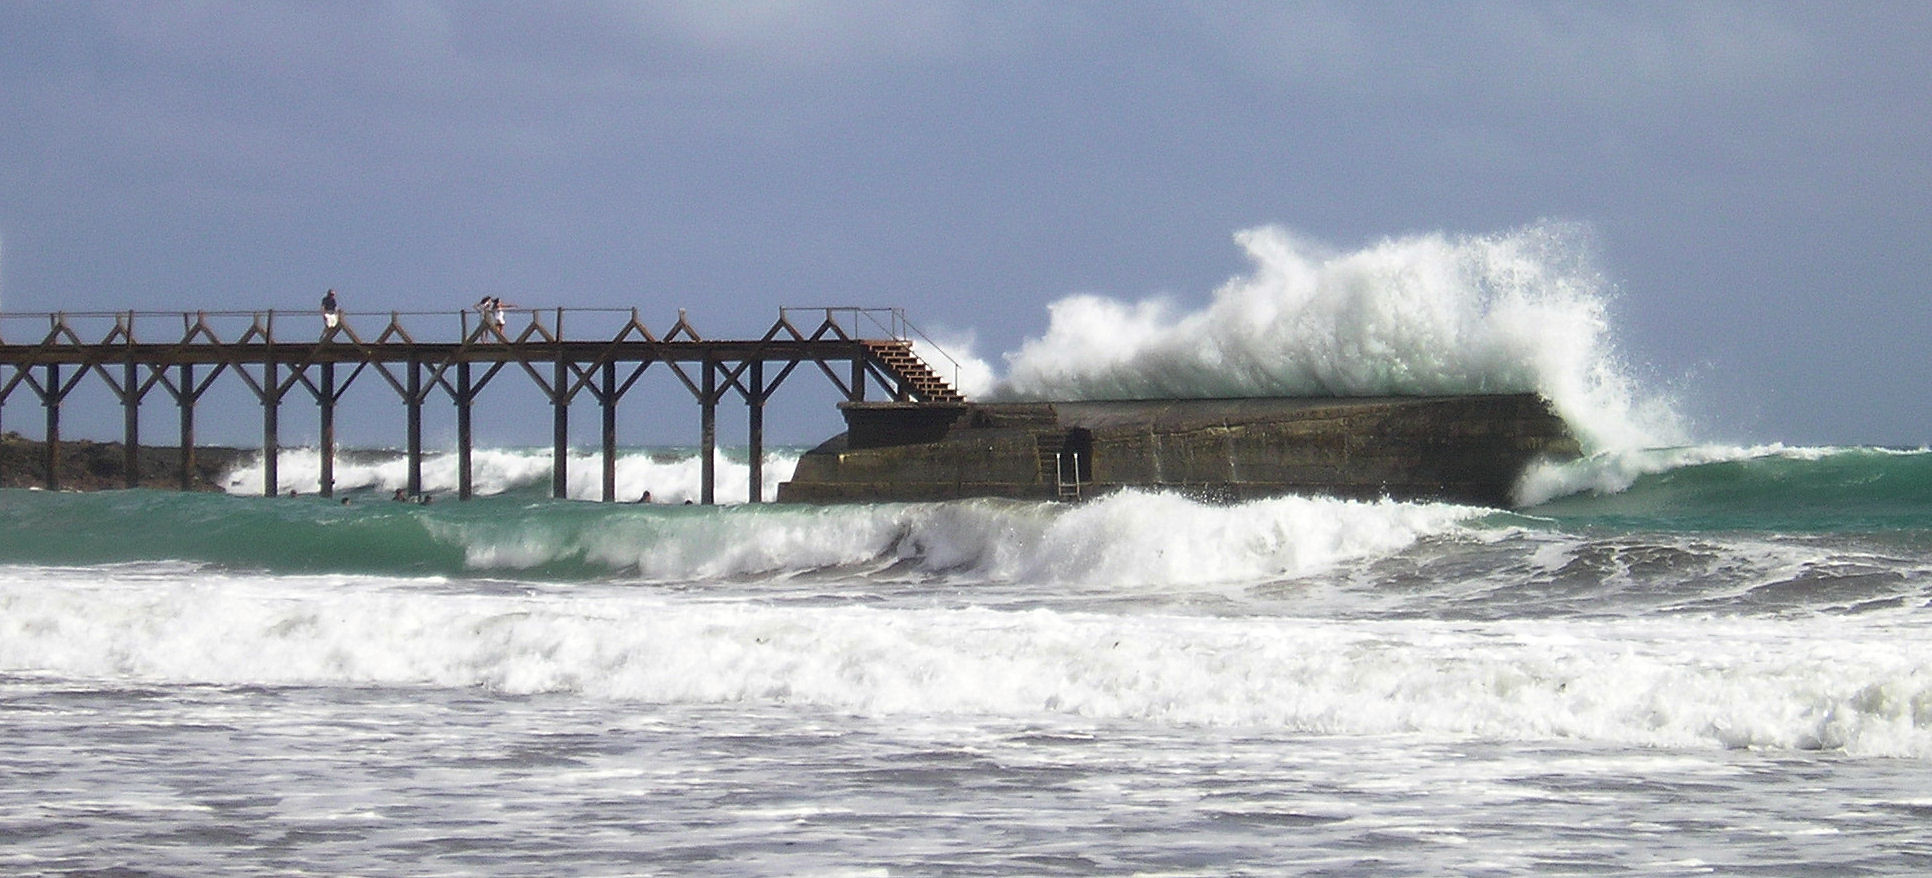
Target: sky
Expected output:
[1753,176]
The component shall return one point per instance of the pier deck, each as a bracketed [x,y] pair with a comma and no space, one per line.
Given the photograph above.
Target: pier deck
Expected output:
[456,355]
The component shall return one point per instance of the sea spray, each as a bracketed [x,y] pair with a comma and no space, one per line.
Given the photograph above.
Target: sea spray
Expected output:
[951,355]
[1431,314]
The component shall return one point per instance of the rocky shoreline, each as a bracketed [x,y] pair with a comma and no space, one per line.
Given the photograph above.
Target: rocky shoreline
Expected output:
[100,466]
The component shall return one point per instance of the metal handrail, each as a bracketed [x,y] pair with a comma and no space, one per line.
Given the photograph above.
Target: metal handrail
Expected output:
[894,324]
[123,322]
[891,321]
[256,312]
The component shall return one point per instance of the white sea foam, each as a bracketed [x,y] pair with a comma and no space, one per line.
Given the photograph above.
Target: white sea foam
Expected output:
[1167,539]
[1123,541]
[670,477]
[1677,682]
[1426,314]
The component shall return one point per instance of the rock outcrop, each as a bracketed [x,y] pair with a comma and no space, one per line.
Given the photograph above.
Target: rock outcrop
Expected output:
[94,466]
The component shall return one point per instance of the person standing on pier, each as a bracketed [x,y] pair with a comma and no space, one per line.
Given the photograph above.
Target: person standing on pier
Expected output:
[492,308]
[330,316]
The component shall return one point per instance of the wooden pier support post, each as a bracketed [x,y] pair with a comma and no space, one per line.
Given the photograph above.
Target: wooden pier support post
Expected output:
[184,398]
[131,424]
[708,404]
[51,400]
[609,403]
[414,441]
[327,402]
[465,488]
[560,427]
[271,428]
[755,416]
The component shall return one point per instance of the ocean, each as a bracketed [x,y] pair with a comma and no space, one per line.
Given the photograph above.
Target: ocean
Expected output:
[1670,657]
[1698,660]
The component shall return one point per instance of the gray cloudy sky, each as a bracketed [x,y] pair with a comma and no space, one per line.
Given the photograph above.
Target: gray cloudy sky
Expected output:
[1756,174]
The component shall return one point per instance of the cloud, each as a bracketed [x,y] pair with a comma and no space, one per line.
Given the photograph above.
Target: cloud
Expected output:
[964,158]
[798,36]
[1504,55]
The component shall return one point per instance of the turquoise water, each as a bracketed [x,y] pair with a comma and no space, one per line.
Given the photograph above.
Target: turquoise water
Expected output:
[1677,661]
[1849,493]
[1813,491]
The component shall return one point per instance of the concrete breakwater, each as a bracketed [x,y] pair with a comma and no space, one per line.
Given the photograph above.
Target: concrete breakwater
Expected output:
[1467,449]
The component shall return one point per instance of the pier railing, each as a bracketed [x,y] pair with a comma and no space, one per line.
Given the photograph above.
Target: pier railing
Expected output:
[565,352]
[278,325]
[859,320]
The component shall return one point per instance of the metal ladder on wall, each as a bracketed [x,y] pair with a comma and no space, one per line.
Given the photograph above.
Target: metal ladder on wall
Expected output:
[1058,464]
[1066,474]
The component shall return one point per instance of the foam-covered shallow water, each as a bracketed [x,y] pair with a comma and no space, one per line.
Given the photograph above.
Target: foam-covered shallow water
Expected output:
[291,780]
[1681,662]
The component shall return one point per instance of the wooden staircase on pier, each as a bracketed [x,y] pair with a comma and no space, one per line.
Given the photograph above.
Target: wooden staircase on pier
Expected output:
[917,379]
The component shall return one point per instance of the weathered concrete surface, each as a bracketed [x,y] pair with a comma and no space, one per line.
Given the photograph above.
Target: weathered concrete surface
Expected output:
[1468,449]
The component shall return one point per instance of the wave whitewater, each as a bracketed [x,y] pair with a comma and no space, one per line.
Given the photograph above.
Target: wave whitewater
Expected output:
[1761,598]
[670,475]
[1622,682]
[1124,539]
[1130,539]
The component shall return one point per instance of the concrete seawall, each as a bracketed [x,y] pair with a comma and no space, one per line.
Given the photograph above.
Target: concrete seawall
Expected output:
[1467,449]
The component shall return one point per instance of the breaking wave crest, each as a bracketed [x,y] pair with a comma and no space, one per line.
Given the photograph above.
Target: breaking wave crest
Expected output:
[1430,314]
[1658,682]
[1123,541]
[1766,487]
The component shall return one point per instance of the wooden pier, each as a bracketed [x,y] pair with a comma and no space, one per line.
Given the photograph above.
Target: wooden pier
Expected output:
[456,355]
